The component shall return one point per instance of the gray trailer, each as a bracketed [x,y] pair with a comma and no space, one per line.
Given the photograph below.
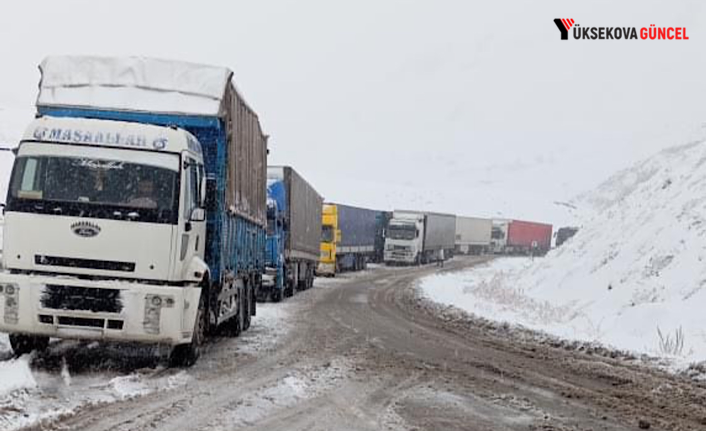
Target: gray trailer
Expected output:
[293,232]
[439,234]
[473,235]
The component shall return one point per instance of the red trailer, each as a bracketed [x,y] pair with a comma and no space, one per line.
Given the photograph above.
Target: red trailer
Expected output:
[528,237]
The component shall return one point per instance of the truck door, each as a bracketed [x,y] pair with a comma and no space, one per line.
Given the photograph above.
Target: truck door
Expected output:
[193,238]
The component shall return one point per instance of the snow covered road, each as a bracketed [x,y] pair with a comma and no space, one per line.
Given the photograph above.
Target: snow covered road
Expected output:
[365,352]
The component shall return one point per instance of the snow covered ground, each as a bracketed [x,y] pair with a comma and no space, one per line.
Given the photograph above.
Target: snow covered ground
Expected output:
[71,375]
[632,278]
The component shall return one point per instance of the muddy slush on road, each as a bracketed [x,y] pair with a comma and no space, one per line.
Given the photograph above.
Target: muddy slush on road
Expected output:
[365,352]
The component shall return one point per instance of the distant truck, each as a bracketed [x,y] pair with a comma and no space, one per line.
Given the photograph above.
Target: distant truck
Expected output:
[349,236]
[498,235]
[564,233]
[293,234]
[383,221]
[136,207]
[473,235]
[521,237]
[415,237]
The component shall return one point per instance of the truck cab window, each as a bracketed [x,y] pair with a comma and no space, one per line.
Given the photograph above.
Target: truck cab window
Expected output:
[193,189]
[327,233]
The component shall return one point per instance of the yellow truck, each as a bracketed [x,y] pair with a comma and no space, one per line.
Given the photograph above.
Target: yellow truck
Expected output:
[329,236]
[350,238]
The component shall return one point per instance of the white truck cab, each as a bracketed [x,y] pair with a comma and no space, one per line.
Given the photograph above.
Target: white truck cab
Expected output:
[405,236]
[104,233]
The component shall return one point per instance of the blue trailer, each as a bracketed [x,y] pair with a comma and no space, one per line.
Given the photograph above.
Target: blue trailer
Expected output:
[351,238]
[214,226]
[293,232]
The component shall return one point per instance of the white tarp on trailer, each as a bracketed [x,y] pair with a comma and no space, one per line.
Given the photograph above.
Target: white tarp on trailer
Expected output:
[133,84]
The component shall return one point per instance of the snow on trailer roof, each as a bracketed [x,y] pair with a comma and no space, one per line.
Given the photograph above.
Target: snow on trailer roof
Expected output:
[109,133]
[133,84]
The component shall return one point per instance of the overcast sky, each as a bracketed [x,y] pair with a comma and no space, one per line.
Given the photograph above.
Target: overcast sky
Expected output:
[470,107]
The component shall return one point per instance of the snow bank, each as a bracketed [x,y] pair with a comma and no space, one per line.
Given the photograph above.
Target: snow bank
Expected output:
[635,269]
[15,374]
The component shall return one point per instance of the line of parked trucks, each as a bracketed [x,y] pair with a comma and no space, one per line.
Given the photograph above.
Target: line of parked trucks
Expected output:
[141,208]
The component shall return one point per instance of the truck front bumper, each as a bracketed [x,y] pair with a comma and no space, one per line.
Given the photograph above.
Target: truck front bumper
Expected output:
[67,307]
[399,257]
[326,269]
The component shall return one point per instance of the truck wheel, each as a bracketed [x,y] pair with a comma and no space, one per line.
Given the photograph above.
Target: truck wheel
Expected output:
[185,355]
[247,308]
[22,344]
[276,295]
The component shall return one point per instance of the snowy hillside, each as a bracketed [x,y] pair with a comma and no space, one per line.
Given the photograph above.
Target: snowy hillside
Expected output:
[636,268]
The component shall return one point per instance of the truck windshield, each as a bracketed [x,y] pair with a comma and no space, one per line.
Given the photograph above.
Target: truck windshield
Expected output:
[497,233]
[90,187]
[399,231]
[326,233]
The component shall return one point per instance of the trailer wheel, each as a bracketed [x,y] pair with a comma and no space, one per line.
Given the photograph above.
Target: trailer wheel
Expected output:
[247,307]
[22,344]
[276,295]
[233,327]
[185,355]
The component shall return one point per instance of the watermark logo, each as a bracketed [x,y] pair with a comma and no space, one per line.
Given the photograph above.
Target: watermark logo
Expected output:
[568,28]
[564,25]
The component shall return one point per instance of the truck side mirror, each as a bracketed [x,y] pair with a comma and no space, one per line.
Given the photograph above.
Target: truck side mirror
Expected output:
[198,214]
[203,191]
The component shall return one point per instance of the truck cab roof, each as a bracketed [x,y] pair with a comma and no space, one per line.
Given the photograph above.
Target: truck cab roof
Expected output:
[112,134]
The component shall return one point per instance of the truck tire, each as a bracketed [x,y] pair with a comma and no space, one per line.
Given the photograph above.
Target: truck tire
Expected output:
[23,344]
[185,355]
[233,327]
[247,308]
[276,295]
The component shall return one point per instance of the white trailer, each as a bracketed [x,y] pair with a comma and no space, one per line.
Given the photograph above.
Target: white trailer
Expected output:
[473,235]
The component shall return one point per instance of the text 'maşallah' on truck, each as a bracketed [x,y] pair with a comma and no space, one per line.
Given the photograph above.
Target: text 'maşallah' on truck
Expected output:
[415,237]
[136,207]
[293,232]
[350,238]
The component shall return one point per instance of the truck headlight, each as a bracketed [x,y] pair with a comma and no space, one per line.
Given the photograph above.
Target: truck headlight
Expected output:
[153,311]
[12,303]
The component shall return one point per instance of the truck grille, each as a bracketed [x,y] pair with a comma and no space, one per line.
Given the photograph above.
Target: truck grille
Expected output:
[109,265]
[81,321]
[60,297]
